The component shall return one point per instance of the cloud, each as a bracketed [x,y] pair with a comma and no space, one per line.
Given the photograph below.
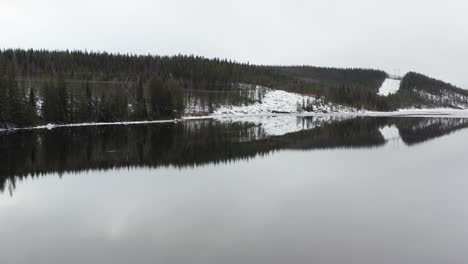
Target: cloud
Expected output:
[425,36]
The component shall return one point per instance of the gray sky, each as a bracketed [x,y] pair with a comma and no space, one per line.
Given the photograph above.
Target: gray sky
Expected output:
[430,37]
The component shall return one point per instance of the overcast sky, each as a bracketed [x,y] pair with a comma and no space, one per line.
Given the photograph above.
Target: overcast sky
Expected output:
[429,36]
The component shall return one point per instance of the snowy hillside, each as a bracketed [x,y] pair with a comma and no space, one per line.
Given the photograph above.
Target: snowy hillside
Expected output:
[389,86]
[444,98]
[420,91]
[277,101]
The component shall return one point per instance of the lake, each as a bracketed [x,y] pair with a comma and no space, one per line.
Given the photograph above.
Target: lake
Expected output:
[285,189]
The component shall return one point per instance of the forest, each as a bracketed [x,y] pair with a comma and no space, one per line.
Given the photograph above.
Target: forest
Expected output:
[418,90]
[38,87]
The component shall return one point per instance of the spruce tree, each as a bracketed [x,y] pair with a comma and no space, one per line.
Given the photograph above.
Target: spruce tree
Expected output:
[16,98]
[156,92]
[63,106]
[89,112]
[31,110]
[139,105]
[51,110]
[4,102]
[176,91]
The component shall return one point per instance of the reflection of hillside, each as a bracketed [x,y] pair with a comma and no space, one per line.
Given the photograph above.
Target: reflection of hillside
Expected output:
[194,143]
[182,144]
[284,124]
[418,130]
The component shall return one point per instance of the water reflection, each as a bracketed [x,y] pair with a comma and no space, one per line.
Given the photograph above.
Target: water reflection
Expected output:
[197,142]
[363,195]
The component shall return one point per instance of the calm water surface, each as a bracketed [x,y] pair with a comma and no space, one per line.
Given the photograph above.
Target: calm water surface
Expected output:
[254,190]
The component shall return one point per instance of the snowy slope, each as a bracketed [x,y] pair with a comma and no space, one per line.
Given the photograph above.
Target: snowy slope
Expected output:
[277,101]
[389,86]
[444,98]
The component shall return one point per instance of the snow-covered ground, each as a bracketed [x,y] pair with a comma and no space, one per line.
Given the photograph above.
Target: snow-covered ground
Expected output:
[430,112]
[445,98]
[194,106]
[389,86]
[52,126]
[277,101]
[283,118]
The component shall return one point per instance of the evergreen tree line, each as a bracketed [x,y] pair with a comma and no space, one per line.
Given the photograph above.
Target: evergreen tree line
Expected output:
[152,87]
[56,101]
[40,87]
[17,105]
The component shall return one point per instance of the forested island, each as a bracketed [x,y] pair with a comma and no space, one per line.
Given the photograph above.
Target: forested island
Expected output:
[39,87]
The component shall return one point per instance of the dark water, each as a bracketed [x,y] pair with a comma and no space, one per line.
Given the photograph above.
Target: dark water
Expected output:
[260,190]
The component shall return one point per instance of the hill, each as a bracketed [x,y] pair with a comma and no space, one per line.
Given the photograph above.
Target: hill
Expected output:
[40,87]
[420,91]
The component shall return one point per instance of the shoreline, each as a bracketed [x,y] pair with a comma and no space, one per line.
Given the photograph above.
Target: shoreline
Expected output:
[442,112]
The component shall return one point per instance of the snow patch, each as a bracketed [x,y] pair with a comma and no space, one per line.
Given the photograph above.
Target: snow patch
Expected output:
[39,104]
[277,101]
[53,126]
[389,86]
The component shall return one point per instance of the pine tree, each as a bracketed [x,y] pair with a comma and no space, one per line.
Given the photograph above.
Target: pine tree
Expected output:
[157,94]
[63,101]
[139,106]
[31,110]
[47,104]
[16,98]
[87,109]
[177,97]
[4,101]
[51,110]
[118,105]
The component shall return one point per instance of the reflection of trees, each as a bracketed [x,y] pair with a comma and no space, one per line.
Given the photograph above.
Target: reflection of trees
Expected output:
[188,144]
[418,130]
